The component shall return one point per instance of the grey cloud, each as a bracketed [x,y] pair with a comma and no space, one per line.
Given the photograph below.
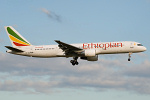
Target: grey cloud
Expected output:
[139,70]
[52,15]
[39,75]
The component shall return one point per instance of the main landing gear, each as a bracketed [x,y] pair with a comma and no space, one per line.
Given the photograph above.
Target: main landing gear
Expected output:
[129,56]
[74,61]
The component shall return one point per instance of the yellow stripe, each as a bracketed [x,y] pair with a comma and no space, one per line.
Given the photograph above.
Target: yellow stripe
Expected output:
[16,40]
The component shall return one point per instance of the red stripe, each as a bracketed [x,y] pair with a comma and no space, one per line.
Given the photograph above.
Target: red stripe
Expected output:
[18,44]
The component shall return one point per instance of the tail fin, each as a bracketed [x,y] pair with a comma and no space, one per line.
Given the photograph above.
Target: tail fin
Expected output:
[15,38]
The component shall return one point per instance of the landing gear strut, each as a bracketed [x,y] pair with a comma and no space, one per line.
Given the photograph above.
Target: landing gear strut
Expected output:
[129,56]
[74,61]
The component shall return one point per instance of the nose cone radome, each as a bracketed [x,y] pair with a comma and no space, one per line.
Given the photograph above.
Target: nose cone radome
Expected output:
[144,49]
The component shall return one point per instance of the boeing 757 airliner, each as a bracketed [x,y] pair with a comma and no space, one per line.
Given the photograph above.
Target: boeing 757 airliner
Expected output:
[85,51]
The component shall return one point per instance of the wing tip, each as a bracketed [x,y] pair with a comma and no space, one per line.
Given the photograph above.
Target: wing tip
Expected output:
[57,40]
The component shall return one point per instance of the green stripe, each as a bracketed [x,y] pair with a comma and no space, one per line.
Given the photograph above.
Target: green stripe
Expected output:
[11,32]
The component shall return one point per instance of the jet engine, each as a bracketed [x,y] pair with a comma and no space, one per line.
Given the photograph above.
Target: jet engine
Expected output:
[94,58]
[90,53]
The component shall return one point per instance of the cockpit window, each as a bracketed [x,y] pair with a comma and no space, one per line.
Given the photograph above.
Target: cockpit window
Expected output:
[139,45]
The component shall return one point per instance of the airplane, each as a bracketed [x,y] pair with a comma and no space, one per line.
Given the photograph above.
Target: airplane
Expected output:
[84,51]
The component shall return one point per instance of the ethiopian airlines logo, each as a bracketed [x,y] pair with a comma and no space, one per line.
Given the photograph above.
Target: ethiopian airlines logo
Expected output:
[17,40]
[102,45]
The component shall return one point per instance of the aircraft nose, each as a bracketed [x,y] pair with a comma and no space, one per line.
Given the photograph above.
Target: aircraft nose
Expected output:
[144,49]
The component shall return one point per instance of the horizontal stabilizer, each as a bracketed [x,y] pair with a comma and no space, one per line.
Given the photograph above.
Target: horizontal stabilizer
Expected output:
[14,49]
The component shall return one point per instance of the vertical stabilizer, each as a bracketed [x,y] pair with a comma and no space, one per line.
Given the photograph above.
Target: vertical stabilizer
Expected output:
[15,38]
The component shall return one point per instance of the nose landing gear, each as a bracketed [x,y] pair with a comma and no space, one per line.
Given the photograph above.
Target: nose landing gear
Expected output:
[129,56]
[74,61]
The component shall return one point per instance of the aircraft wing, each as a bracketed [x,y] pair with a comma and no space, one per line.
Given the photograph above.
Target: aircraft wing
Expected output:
[67,48]
[14,49]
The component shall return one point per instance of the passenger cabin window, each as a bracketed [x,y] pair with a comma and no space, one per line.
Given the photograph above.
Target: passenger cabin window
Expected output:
[139,45]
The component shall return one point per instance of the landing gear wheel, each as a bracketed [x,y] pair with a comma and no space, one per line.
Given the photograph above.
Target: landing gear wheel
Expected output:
[74,62]
[129,59]
[71,61]
[77,63]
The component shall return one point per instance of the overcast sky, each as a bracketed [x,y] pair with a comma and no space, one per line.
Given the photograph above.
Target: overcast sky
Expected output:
[43,21]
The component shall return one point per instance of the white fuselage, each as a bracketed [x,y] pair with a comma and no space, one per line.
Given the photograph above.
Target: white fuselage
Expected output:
[46,51]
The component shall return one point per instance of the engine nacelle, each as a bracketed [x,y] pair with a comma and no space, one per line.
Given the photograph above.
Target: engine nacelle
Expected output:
[95,58]
[90,53]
